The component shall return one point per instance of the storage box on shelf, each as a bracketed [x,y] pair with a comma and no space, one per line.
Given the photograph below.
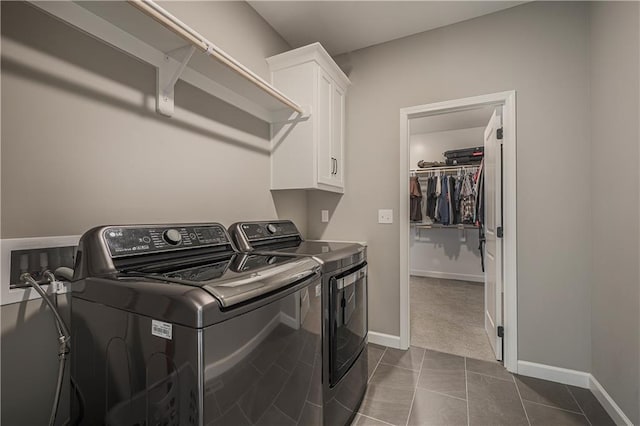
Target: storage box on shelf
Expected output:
[309,153]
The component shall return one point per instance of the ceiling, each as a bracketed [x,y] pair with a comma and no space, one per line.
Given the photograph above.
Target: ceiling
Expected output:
[345,26]
[467,119]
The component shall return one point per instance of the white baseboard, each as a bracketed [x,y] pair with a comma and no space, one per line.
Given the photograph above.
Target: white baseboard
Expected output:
[447,275]
[575,378]
[608,403]
[554,374]
[384,339]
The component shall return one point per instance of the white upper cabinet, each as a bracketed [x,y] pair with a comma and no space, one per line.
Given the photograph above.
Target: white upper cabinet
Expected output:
[308,153]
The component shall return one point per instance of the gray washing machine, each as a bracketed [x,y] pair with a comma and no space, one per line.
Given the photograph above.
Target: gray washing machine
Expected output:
[345,308]
[171,326]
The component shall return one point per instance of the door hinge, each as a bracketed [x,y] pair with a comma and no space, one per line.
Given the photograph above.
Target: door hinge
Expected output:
[500,331]
[500,232]
[499,133]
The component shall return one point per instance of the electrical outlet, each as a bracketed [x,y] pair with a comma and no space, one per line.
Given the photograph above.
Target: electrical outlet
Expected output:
[325,215]
[385,216]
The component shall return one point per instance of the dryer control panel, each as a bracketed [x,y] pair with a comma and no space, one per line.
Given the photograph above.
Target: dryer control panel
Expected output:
[268,230]
[135,240]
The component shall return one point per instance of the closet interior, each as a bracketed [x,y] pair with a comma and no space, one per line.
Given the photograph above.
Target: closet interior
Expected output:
[446,272]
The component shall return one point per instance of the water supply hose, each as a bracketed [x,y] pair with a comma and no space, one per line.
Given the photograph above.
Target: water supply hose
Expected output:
[63,337]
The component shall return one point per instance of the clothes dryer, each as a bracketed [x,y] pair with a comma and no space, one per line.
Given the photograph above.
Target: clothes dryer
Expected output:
[345,307]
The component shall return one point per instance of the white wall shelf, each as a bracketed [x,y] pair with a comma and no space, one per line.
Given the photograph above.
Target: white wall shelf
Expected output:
[441,226]
[146,31]
[444,169]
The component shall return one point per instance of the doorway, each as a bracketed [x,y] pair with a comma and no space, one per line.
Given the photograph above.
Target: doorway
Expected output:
[500,306]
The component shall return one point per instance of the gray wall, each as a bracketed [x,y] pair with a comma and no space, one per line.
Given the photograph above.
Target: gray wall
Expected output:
[29,364]
[82,146]
[539,49]
[80,115]
[615,113]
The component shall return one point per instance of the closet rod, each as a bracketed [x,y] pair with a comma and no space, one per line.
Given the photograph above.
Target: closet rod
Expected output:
[189,34]
[445,169]
[440,226]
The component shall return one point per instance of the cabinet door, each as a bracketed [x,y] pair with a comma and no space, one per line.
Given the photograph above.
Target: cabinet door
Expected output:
[323,124]
[337,135]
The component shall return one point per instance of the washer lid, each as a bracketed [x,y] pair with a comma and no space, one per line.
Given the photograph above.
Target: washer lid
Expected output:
[249,276]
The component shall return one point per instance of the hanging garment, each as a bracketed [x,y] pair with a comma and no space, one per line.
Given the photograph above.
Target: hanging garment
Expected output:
[480,200]
[415,194]
[443,201]
[482,240]
[429,198]
[438,194]
[479,190]
[451,184]
[432,198]
[467,200]
[457,197]
[450,199]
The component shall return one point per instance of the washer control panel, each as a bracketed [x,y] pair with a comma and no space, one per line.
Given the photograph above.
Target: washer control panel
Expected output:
[268,230]
[137,240]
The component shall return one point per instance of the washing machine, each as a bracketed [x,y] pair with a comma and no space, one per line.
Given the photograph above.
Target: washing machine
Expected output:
[171,326]
[345,307]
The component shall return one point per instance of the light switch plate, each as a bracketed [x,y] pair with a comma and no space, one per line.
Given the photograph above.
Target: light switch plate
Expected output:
[385,216]
[325,215]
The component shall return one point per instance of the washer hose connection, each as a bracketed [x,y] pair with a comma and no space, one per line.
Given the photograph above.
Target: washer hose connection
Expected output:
[63,335]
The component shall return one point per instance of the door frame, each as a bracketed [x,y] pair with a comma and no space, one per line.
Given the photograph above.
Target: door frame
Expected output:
[507,100]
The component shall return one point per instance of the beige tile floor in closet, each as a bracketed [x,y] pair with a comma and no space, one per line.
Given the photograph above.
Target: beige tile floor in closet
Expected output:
[447,316]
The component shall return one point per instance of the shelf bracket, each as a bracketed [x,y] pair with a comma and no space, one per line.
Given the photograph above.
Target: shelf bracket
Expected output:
[167,76]
[285,116]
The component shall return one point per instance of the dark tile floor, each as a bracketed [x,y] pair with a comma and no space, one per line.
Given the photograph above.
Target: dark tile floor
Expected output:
[426,387]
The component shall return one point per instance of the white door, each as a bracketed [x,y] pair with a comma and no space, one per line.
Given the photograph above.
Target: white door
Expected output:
[493,287]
